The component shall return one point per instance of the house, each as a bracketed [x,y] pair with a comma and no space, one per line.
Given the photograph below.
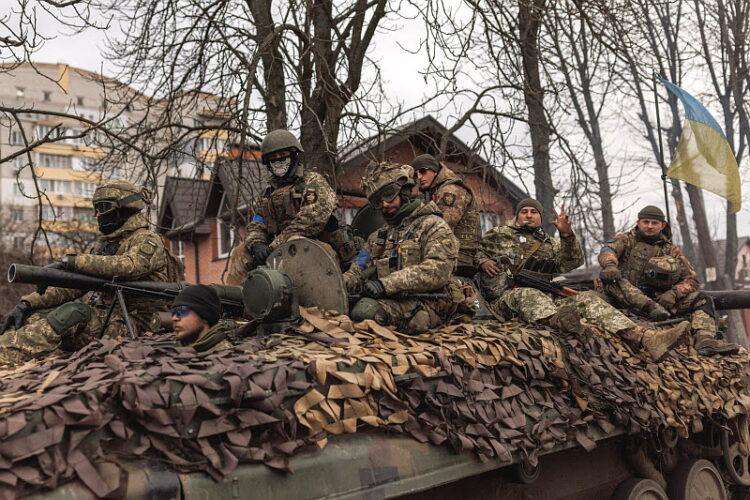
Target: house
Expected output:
[496,195]
[202,218]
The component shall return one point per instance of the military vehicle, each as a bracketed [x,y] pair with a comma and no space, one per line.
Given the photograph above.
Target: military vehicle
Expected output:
[309,405]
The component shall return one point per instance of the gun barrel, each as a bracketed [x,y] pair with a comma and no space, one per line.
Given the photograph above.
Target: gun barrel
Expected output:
[730,299]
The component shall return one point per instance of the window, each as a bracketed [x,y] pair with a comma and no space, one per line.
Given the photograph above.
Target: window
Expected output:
[82,214]
[178,250]
[17,189]
[19,91]
[53,131]
[80,101]
[19,241]
[16,137]
[53,186]
[85,164]
[17,215]
[57,213]
[224,233]
[85,189]
[47,96]
[54,161]
[19,162]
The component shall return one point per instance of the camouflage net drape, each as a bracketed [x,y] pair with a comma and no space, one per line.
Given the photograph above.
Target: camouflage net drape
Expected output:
[499,390]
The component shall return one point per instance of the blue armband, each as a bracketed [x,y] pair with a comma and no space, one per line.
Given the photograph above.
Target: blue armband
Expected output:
[362,259]
[607,248]
[258,218]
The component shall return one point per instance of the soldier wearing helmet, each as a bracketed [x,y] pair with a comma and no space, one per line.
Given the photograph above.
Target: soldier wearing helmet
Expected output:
[415,252]
[68,319]
[298,202]
[643,271]
[456,201]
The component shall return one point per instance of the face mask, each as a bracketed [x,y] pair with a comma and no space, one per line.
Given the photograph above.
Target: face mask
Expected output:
[279,168]
[112,221]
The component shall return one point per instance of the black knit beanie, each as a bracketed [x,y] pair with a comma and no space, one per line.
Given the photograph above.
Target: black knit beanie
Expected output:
[529,202]
[651,212]
[426,161]
[202,299]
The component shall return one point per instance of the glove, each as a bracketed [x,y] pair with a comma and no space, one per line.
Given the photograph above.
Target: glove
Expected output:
[668,299]
[40,289]
[261,251]
[610,274]
[373,289]
[362,259]
[16,317]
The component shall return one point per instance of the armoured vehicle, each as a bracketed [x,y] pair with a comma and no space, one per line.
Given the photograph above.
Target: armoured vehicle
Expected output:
[309,405]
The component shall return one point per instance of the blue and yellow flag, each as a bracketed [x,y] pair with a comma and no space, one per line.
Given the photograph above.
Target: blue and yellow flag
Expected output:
[703,156]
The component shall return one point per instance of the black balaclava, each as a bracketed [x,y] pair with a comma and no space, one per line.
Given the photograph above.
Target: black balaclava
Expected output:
[113,220]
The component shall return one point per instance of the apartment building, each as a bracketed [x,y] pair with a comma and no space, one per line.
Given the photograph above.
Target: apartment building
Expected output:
[67,171]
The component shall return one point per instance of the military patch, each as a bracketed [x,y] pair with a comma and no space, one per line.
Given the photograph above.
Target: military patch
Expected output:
[311,194]
[448,200]
[148,248]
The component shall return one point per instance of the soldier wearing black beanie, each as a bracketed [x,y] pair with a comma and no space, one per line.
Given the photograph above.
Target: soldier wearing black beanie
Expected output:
[202,299]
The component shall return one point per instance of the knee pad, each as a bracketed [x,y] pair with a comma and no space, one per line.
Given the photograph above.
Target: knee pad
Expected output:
[68,318]
[365,308]
[703,302]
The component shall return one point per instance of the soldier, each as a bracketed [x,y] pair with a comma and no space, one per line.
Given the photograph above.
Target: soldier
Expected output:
[195,315]
[522,244]
[69,319]
[643,271]
[299,202]
[415,252]
[456,200]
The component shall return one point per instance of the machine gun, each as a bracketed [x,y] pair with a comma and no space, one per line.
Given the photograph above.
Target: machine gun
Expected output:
[526,279]
[230,296]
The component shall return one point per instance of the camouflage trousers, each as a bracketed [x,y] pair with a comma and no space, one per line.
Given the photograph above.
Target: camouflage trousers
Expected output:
[533,306]
[695,306]
[410,316]
[36,338]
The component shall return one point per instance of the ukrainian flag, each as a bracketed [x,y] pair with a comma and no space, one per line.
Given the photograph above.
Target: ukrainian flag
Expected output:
[703,156]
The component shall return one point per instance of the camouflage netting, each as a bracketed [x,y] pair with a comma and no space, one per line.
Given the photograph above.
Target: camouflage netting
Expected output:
[499,390]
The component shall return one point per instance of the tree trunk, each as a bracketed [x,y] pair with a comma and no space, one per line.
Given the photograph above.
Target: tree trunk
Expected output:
[705,241]
[530,14]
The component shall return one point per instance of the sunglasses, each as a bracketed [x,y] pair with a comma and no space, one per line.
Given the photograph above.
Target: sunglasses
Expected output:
[180,312]
[423,170]
[386,193]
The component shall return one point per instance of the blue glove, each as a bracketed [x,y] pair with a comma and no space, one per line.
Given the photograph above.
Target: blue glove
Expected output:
[362,259]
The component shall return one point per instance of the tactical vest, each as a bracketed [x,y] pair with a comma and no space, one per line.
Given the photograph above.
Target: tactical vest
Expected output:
[468,230]
[394,249]
[635,260]
[279,206]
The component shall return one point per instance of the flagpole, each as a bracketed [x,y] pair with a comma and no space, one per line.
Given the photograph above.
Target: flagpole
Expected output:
[661,149]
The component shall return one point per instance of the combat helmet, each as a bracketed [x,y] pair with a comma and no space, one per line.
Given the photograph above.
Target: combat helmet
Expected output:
[119,194]
[279,141]
[385,180]
[660,273]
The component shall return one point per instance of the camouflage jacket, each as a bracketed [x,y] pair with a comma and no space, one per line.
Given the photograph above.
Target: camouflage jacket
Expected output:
[418,255]
[300,209]
[512,242]
[456,200]
[628,252]
[215,339]
[131,253]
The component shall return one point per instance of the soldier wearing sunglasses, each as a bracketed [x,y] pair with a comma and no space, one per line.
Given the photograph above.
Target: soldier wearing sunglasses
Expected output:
[456,201]
[414,253]
[196,312]
[68,319]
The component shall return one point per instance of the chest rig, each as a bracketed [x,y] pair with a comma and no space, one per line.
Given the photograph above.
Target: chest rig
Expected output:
[537,255]
[395,249]
[468,229]
[635,261]
[279,206]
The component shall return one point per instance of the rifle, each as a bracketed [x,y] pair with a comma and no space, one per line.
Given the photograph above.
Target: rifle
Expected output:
[526,279]
[230,296]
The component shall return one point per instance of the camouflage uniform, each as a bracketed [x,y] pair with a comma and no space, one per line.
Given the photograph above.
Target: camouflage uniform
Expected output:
[417,256]
[215,339]
[631,255]
[512,245]
[132,252]
[457,203]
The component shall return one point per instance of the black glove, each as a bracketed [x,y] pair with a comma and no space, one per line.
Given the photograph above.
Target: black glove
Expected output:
[610,274]
[16,317]
[261,251]
[40,289]
[373,289]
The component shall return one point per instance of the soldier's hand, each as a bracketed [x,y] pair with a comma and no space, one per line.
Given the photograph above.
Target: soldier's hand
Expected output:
[16,317]
[610,274]
[668,300]
[373,289]
[490,267]
[563,222]
[260,252]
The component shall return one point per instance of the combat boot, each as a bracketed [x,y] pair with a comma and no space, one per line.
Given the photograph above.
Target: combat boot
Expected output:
[657,342]
[708,345]
[655,312]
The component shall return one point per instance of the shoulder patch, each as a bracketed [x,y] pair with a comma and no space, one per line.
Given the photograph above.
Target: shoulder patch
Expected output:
[447,200]
[311,194]
[148,247]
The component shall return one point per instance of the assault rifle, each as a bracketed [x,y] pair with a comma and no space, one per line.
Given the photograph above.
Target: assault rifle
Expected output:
[230,296]
[526,279]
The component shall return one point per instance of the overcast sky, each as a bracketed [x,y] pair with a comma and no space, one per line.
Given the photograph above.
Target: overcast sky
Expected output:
[401,74]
